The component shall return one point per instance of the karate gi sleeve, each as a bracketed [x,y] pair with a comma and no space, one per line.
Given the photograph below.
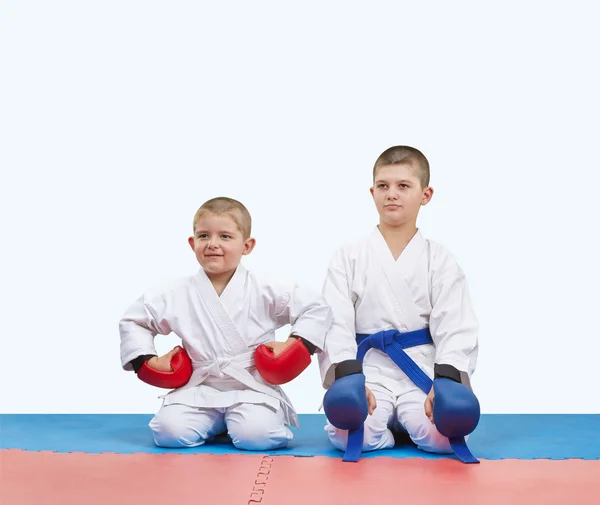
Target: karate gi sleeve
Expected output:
[453,324]
[305,310]
[138,327]
[340,342]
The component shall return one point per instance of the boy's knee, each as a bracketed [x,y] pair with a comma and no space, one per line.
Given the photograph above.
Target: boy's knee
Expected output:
[376,434]
[170,430]
[259,436]
[338,438]
[429,439]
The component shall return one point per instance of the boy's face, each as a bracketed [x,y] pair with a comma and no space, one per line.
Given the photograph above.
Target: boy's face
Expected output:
[398,194]
[219,244]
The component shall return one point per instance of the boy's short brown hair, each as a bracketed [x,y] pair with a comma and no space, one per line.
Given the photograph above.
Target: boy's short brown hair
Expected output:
[397,155]
[223,205]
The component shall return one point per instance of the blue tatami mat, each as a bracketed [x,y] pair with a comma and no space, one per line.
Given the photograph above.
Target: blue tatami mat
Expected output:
[526,436]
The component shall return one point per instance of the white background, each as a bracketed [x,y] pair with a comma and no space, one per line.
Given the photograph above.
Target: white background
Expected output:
[119,118]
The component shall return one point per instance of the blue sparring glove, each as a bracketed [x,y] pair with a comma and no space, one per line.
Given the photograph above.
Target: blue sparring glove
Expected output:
[346,407]
[456,414]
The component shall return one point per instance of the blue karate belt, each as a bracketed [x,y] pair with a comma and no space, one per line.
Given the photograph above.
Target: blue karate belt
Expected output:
[393,343]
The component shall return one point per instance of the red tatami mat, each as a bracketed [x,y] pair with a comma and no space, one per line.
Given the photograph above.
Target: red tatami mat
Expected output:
[46,478]
[390,481]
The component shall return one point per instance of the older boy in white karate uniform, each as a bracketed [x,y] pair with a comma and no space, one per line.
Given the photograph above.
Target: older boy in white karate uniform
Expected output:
[396,279]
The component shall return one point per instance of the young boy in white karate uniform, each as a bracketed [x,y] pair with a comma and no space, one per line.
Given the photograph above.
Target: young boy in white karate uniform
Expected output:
[396,279]
[221,315]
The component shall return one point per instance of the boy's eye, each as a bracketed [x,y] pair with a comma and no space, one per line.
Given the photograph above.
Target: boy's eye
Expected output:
[404,186]
[225,236]
[202,235]
[382,185]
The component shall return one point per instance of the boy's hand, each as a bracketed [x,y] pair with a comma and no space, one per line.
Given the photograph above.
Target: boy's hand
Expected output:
[371,401]
[279,347]
[280,362]
[162,364]
[429,405]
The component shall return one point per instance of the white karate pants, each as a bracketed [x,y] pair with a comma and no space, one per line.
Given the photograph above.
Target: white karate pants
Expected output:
[404,411]
[252,427]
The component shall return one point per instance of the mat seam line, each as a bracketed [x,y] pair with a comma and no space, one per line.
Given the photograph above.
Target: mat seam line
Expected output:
[260,482]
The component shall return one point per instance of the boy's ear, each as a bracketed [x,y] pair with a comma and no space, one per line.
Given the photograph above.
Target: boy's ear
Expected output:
[191,242]
[427,195]
[248,246]
[372,191]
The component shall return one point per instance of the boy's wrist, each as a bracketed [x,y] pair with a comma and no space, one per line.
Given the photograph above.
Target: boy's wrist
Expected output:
[445,371]
[309,345]
[138,362]
[348,367]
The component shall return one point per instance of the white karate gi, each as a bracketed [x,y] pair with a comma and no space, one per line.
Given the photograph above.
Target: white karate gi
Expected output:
[220,334]
[368,292]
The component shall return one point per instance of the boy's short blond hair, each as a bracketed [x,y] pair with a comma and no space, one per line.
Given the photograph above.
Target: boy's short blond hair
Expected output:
[397,155]
[234,209]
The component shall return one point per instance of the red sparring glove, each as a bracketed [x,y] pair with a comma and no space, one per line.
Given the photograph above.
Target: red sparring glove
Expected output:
[285,366]
[182,371]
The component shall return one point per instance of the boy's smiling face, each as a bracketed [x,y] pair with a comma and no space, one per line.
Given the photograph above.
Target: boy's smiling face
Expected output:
[219,244]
